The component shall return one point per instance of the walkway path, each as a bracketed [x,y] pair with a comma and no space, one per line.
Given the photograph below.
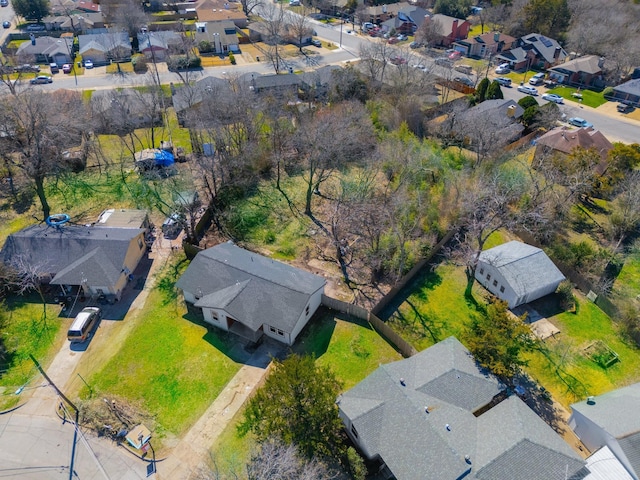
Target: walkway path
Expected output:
[192,452]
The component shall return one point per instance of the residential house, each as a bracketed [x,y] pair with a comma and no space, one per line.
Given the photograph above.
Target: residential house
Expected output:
[79,23]
[377,14]
[86,6]
[220,35]
[603,465]
[452,29]
[187,99]
[250,295]
[158,46]
[108,108]
[582,72]
[628,92]
[316,84]
[611,420]
[102,48]
[517,273]
[485,45]
[562,141]
[96,259]
[221,10]
[407,19]
[534,51]
[439,415]
[275,84]
[62,7]
[46,50]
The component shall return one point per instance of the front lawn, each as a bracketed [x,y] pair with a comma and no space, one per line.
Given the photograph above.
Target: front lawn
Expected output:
[589,97]
[27,332]
[350,347]
[169,362]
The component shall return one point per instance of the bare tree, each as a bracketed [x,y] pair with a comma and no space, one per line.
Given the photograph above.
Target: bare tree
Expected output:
[299,27]
[127,15]
[248,6]
[328,139]
[625,210]
[36,133]
[374,58]
[275,461]
[430,32]
[274,20]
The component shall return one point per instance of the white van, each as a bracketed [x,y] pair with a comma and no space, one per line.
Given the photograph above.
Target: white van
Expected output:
[83,324]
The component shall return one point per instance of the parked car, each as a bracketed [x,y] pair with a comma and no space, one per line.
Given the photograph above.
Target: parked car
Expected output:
[415,44]
[6,24]
[503,68]
[35,27]
[27,68]
[580,122]
[172,226]
[41,79]
[464,80]
[504,81]
[393,40]
[4,3]
[366,26]
[398,60]
[443,62]
[537,79]
[455,55]
[550,83]
[66,68]
[316,43]
[88,64]
[528,90]
[468,69]
[54,67]
[401,37]
[624,107]
[83,324]
[552,97]
[294,3]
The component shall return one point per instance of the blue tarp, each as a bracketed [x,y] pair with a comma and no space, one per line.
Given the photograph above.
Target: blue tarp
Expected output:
[164,158]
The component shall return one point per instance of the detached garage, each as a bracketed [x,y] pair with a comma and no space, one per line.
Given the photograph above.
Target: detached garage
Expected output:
[517,273]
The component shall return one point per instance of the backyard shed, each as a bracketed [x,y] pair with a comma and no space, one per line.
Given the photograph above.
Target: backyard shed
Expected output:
[517,273]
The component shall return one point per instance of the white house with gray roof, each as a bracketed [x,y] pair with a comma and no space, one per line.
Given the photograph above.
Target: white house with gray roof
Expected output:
[438,415]
[517,273]
[250,295]
[611,420]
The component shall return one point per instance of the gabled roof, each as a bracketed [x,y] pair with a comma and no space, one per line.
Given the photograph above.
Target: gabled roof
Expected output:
[214,10]
[615,411]
[418,416]
[566,140]
[190,95]
[545,46]
[87,6]
[500,106]
[447,22]
[632,87]
[604,465]
[49,46]
[492,38]
[587,64]
[68,250]
[524,267]
[161,39]
[273,81]
[103,42]
[253,289]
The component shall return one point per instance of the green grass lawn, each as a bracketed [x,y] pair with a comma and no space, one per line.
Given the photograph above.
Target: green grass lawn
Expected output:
[627,282]
[350,347]
[565,370]
[589,98]
[436,308]
[169,362]
[26,332]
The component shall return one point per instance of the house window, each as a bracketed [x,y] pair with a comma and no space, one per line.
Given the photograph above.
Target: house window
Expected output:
[495,283]
[281,333]
[353,430]
[488,276]
[272,329]
[214,316]
[502,289]
[482,271]
[307,310]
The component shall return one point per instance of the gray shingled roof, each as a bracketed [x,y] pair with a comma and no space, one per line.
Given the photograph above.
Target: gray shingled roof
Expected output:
[73,252]
[615,411]
[391,421]
[253,289]
[526,268]
[631,447]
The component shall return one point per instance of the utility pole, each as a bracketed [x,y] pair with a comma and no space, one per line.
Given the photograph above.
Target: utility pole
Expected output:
[63,396]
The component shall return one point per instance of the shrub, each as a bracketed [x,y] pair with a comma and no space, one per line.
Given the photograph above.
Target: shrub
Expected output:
[205,46]
[232,58]
[183,62]
[565,293]
[357,467]
[528,101]
[139,63]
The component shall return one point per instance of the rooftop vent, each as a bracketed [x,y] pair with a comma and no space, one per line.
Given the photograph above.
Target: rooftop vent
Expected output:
[467,459]
[591,400]
[402,382]
[447,427]
[426,409]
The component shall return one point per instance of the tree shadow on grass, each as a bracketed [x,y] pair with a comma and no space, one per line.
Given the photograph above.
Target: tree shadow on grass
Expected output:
[428,280]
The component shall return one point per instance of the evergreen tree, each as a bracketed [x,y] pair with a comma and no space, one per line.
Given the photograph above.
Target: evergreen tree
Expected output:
[493,91]
[481,91]
[31,9]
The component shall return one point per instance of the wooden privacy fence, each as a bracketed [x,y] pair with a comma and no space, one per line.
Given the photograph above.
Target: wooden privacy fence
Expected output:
[399,343]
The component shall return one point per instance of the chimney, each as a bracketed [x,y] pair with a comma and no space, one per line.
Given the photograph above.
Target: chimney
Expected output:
[496,37]
[601,62]
[556,54]
[511,111]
